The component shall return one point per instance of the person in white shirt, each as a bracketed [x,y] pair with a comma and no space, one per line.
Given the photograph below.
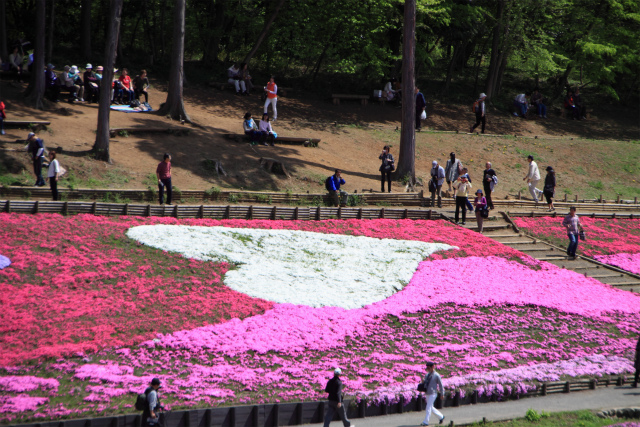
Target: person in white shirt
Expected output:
[53,174]
[234,78]
[267,131]
[437,176]
[521,104]
[250,128]
[462,186]
[72,81]
[388,89]
[533,176]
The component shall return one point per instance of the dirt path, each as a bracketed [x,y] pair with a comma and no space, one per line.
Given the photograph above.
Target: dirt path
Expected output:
[352,137]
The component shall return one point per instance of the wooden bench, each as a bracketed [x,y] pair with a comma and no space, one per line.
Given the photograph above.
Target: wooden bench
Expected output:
[307,142]
[364,99]
[25,122]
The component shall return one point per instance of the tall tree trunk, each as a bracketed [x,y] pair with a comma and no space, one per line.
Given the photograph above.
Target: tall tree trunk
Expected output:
[52,20]
[218,24]
[174,105]
[101,146]
[265,31]
[36,86]
[494,63]
[85,29]
[3,30]
[407,155]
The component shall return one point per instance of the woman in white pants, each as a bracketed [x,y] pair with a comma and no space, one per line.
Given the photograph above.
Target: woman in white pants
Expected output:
[272,97]
[431,383]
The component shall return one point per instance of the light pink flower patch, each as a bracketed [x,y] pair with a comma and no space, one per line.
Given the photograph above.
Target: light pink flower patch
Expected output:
[21,384]
[20,403]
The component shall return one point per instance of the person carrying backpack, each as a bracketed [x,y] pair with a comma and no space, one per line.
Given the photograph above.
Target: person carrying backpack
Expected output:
[149,404]
[333,184]
[479,109]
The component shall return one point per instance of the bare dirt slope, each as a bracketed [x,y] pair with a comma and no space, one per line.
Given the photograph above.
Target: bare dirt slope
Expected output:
[352,138]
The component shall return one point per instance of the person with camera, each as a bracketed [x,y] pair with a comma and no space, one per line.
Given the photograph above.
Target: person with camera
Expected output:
[462,187]
[432,385]
[333,184]
[152,407]
[386,167]
[334,388]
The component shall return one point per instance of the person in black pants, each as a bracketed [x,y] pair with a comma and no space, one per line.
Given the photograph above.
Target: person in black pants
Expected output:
[462,187]
[550,187]
[480,113]
[53,174]
[386,167]
[163,172]
[35,147]
[487,179]
[421,105]
[334,388]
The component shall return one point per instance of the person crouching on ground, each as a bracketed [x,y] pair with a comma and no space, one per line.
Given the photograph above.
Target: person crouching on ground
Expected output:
[432,385]
[386,167]
[334,388]
[462,187]
[163,172]
[572,223]
[150,415]
[337,195]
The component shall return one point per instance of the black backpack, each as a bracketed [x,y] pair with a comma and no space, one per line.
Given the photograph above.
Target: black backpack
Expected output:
[327,183]
[141,400]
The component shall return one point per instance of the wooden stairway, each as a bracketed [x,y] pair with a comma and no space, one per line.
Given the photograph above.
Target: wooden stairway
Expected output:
[502,231]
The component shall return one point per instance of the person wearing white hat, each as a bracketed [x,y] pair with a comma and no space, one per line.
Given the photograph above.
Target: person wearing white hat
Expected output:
[73,83]
[91,87]
[334,388]
[435,185]
[479,109]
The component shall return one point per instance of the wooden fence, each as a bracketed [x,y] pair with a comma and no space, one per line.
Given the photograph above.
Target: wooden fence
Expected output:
[290,414]
[215,211]
[216,196]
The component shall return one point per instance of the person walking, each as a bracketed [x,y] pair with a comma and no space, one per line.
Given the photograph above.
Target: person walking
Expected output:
[35,147]
[432,386]
[479,109]
[333,184]
[334,388]
[489,179]
[452,170]
[386,167]
[533,176]
[549,187]
[462,187]
[53,174]
[272,97]
[437,179]
[480,203]
[572,223]
[421,106]
[163,172]
[152,407]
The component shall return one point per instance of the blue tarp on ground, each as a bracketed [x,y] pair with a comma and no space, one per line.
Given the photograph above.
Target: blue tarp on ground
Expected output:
[127,109]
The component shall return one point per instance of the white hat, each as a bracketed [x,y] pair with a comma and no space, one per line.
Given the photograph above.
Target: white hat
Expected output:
[483,95]
[434,163]
[89,67]
[337,371]
[74,69]
[30,135]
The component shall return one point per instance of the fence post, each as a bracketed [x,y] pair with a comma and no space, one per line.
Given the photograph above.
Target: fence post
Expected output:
[318,213]
[201,212]
[255,413]
[359,216]
[592,384]
[175,212]
[126,209]
[227,212]
[276,415]
[339,212]
[519,195]
[429,214]
[187,419]
[296,214]
[544,389]
[565,197]
[232,415]
[274,212]
[401,404]
[567,387]
[36,206]
[7,206]
[65,208]
[382,213]
[299,413]
[576,198]
[362,409]
[94,208]
[148,213]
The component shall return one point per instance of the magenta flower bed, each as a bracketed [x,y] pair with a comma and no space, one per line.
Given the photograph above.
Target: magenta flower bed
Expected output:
[604,236]
[100,315]
[629,262]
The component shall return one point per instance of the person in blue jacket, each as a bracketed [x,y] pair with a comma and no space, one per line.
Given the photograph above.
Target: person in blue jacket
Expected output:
[333,184]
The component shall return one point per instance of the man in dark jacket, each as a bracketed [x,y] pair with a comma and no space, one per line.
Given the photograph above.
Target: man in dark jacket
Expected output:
[337,195]
[487,181]
[35,147]
[334,388]
[421,105]
[150,414]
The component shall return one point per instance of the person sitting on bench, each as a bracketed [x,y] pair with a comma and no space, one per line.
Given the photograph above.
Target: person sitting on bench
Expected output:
[73,83]
[250,128]
[140,86]
[267,136]
[570,105]
[52,83]
[233,73]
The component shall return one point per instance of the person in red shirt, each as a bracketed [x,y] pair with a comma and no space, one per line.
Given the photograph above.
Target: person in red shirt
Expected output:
[127,87]
[163,172]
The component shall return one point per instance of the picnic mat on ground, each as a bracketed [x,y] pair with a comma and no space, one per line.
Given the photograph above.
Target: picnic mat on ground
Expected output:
[127,109]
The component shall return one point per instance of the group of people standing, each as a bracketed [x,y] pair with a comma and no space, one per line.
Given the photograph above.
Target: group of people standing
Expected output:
[36,149]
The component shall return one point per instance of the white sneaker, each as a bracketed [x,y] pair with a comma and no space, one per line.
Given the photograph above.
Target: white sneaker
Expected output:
[81,100]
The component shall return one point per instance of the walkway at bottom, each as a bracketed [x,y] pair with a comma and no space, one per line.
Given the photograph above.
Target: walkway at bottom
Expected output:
[602,398]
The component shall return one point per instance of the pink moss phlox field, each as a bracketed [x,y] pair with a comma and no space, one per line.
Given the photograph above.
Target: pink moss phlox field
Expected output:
[604,236]
[118,314]
[628,262]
